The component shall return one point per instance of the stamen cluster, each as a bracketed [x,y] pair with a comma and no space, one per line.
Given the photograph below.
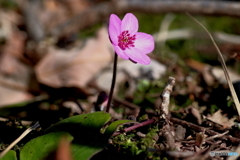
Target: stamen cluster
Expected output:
[125,40]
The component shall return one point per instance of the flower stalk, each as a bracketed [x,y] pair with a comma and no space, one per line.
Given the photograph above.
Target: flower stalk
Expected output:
[113,82]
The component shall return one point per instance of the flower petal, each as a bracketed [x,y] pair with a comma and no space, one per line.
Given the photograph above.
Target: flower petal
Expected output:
[120,52]
[114,28]
[144,42]
[137,56]
[129,23]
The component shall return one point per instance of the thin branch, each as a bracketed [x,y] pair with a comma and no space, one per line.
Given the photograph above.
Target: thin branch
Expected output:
[164,120]
[197,128]
[101,11]
[216,136]
[166,97]
[134,127]
[186,33]
[126,103]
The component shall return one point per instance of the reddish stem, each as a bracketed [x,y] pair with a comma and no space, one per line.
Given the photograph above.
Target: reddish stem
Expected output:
[113,82]
[134,127]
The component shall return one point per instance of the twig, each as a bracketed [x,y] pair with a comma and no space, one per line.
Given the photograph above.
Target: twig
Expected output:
[126,103]
[98,12]
[36,125]
[166,96]
[166,131]
[216,136]
[234,95]
[197,128]
[186,33]
[134,127]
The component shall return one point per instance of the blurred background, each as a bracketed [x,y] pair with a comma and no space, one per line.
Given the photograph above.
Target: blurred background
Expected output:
[55,57]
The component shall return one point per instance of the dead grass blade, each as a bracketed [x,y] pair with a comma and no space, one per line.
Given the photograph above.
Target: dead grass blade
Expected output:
[234,95]
[36,125]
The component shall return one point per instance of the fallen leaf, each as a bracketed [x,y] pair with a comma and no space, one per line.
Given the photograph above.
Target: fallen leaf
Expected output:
[75,67]
[219,75]
[11,95]
[203,68]
[221,119]
[16,78]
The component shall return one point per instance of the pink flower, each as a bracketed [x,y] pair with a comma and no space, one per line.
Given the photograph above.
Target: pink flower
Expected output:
[127,42]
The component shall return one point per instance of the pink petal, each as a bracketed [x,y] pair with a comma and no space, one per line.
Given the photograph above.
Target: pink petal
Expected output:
[114,28]
[144,42]
[120,52]
[129,23]
[135,55]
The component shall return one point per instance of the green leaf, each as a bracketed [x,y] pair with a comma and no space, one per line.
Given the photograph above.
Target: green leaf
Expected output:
[10,155]
[86,130]
[84,127]
[86,151]
[38,148]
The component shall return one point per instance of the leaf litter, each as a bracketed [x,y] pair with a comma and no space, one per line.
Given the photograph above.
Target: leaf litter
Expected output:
[185,133]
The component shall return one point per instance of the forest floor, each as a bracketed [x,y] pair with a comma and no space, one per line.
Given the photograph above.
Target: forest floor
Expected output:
[56,62]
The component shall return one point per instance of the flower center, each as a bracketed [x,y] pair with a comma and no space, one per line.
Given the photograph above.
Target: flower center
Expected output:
[125,40]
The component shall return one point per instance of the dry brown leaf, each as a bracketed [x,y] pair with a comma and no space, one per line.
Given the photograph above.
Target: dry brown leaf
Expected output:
[220,77]
[203,68]
[221,119]
[11,96]
[75,67]
[15,77]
